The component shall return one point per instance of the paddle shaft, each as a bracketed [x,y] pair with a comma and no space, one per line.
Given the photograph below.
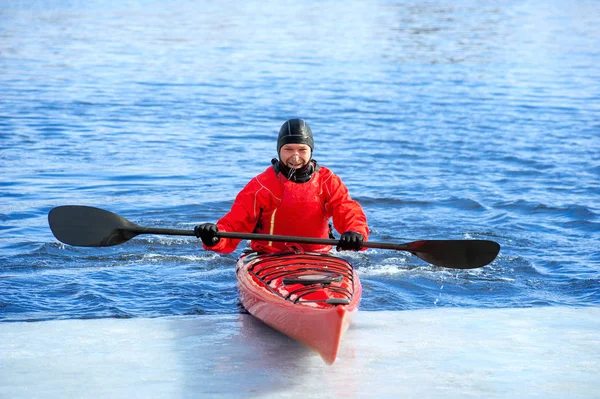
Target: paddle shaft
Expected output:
[266,237]
[306,240]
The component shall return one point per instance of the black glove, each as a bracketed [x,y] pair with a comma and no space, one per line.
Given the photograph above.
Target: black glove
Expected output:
[207,232]
[350,241]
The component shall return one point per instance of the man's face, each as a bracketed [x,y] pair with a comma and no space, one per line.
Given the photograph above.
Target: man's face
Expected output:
[295,156]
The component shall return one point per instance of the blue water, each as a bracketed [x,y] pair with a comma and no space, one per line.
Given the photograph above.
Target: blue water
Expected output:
[447,120]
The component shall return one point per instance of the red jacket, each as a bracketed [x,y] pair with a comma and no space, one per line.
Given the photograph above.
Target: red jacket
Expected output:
[272,204]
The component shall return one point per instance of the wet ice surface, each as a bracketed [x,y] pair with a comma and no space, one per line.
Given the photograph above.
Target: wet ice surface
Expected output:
[448,353]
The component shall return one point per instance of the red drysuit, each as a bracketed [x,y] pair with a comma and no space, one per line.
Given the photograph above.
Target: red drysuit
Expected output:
[272,204]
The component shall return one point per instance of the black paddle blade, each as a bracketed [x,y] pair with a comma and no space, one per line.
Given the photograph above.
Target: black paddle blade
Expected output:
[86,226]
[456,254]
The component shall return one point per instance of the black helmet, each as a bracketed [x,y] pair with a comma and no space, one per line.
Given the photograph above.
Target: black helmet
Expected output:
[295,131]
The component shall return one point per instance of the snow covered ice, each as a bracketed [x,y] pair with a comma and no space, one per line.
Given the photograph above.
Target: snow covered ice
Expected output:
[439,353]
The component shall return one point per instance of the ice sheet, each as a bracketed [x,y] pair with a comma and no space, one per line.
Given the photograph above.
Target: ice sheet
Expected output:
[441,353]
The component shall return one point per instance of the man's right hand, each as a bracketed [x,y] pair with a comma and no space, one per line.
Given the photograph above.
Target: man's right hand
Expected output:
[207,232]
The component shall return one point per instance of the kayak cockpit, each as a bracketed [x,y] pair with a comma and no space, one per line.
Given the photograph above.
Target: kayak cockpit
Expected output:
[315,279]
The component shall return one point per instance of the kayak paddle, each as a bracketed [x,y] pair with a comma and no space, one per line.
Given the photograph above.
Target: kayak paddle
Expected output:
[86,226]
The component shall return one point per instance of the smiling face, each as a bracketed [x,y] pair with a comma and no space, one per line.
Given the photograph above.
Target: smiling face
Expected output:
[295,156]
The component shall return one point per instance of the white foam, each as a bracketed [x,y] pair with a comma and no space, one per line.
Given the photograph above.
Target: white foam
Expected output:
[161,257]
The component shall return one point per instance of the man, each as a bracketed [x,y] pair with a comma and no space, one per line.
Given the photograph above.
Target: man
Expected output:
[295,196]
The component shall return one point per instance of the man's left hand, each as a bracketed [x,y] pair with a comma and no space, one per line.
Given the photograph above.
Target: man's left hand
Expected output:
[350,241]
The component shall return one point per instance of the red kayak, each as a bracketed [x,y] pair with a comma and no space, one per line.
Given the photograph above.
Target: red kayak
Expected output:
[310,297]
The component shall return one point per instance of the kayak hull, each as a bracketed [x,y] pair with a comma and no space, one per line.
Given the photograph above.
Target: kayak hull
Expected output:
[310,297]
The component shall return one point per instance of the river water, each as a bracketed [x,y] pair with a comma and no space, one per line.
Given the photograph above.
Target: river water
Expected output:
[446,120]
